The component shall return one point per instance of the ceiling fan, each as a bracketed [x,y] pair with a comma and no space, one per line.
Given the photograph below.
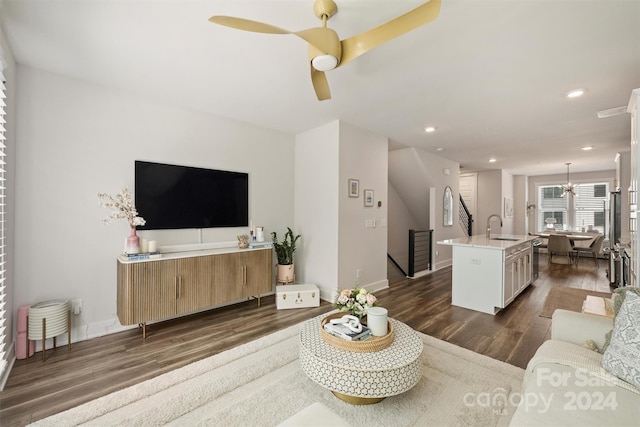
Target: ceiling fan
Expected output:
[326,50]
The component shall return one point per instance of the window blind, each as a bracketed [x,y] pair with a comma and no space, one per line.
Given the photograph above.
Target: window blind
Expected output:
[3,210]
[591,205]
[587,208]
[552,205]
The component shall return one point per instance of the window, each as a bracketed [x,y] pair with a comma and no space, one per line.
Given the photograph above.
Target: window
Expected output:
[587,209]
[3,209]
[553,212]
[591,205]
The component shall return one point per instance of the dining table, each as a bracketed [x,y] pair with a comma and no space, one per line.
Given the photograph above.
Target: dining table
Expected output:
[572,237]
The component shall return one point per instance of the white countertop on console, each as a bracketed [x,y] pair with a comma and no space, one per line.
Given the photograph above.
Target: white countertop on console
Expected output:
[193,253]
[497,241]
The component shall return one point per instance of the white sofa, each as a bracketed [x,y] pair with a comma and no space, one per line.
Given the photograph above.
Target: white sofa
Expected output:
[565,384]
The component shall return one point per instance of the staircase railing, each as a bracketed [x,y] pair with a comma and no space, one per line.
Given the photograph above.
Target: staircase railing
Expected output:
[420,246]
[393,261]
[466,219]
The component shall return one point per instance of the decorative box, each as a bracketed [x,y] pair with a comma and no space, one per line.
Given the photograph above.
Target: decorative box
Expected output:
[297,296]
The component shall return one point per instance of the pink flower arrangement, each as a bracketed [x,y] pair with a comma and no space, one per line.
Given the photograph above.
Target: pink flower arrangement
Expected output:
[122,207]
[355,301]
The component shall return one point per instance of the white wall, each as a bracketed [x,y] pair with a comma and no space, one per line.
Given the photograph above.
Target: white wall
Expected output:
[507,193]
[335,241]
[520,202]
[363,156]
[413,173]
[75,140]
[316,207]
[400,220]
[489,200]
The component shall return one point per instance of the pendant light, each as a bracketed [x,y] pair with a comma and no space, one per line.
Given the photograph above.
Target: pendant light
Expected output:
[569,188]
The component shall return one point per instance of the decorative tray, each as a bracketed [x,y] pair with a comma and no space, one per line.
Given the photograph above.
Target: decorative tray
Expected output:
[369,345]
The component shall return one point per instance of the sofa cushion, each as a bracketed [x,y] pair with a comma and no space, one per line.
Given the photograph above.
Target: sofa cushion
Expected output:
[585,361]
[566,385]
[618,297]
[622,356]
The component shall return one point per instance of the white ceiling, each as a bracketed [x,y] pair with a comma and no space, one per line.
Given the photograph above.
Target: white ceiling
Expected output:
[490,75]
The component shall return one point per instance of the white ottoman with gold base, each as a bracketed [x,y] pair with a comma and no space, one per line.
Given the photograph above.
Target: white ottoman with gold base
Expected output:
[362,378]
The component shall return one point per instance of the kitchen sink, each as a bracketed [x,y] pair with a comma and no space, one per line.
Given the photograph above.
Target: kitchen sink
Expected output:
[510,239]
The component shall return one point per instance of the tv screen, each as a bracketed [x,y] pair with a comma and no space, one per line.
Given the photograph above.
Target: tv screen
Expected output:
[171,196]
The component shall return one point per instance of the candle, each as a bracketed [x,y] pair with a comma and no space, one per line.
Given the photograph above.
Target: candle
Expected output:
[152,246]
[377,321]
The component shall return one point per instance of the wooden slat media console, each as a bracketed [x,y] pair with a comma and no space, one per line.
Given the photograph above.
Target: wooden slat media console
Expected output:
[183,283]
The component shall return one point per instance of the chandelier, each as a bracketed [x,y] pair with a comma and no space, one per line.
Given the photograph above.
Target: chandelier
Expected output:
[569,188]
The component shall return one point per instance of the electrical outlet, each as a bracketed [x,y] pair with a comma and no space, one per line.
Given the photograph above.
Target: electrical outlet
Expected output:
[76,306]
[358,273]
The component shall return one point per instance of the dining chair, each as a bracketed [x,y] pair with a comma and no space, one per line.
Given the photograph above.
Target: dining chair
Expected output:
[594,249]
[559,245]
[540,242]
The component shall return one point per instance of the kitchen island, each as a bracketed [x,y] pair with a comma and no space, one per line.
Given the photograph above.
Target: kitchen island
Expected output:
[489,272]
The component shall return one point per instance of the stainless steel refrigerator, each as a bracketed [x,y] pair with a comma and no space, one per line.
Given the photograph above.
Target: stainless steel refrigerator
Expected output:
[614,219]
[616,262]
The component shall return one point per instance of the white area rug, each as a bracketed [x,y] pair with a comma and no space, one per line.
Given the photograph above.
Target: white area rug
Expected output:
[261,384]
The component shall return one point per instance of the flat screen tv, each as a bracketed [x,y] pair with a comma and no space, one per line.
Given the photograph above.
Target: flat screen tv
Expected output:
[171,197]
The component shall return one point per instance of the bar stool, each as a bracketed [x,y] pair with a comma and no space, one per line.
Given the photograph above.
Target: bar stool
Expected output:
[48,320]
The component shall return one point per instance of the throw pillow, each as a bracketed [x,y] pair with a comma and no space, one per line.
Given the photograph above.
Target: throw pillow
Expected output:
[591,345]
[622,357]
[618,298]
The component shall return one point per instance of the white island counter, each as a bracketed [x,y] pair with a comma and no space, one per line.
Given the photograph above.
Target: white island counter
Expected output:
[488,273]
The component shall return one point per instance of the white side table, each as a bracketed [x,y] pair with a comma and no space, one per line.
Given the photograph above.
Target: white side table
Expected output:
[48,320]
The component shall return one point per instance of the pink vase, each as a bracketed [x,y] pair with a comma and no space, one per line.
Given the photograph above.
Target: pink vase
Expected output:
[133,242]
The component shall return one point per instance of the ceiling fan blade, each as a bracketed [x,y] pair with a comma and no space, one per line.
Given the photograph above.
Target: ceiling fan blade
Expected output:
[320,84]
[324,39]
[247,25]
[364,42]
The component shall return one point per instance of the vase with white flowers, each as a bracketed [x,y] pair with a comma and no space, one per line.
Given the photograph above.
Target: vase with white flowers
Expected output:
[123,208]
[355,301]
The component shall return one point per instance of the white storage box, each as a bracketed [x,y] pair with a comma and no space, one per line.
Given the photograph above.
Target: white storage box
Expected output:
[297,296]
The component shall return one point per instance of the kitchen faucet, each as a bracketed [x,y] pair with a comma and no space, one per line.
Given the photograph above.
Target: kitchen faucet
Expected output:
[489,223]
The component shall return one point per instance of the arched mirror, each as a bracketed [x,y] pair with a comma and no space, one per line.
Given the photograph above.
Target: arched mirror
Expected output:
[447,207]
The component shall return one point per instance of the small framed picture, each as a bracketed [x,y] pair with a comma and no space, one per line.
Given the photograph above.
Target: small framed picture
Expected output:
[354,188]
[368,198]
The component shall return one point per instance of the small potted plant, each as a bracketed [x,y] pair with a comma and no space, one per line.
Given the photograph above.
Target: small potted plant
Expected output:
[284,254]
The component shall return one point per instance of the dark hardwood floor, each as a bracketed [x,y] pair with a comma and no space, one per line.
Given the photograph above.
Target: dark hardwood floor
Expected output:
[100,366]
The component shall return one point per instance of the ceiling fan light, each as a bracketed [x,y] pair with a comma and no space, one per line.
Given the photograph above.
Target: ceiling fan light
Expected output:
[324,62]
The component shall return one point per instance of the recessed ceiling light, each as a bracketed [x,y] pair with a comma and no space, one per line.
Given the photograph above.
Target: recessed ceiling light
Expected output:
[439,149]
[575,93]
[587,148]
[492,160]
[429,129]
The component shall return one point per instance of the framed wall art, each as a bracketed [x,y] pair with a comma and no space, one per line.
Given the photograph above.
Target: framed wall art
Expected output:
[354,188]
